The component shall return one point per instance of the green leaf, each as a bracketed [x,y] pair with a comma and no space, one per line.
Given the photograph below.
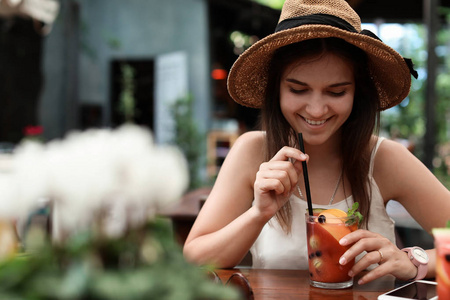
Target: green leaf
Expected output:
[354,214]
[88,266]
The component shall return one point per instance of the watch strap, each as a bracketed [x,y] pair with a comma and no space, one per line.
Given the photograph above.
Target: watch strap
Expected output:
[422,268]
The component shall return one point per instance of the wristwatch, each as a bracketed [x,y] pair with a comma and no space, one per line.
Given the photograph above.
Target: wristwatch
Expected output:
[419,258]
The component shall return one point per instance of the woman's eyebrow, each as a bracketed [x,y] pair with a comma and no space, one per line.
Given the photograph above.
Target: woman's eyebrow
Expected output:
[292,80]
[339,84]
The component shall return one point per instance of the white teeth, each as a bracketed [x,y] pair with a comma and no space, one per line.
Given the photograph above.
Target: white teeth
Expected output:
[312,122]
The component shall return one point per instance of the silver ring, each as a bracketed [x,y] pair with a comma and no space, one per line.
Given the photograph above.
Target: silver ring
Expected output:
[381,256]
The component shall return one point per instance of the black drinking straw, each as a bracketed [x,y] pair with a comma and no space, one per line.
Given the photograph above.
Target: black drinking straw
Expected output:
[305,175]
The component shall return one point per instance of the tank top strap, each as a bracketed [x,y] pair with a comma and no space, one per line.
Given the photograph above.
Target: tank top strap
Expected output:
[374,152]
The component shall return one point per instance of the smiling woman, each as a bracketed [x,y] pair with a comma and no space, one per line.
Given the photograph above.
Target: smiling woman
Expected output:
[336,92]
[321,77]
[317,92]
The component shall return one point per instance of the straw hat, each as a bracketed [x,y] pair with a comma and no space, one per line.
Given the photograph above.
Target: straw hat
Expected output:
[309,19]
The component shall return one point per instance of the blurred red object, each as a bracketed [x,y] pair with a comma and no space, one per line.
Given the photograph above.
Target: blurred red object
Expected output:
[219,74]
[33,130]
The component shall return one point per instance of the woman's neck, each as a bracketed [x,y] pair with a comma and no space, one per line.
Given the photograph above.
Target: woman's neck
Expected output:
[330,151]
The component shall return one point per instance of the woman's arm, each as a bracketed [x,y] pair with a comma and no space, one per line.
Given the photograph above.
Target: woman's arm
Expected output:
[402,177]
[228,223]
[226,227]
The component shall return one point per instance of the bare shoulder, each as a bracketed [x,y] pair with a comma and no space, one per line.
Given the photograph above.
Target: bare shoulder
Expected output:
[252,138]
[390,150]
[396,168]
[390,158]
[244,158]
[250,144]
[232,193]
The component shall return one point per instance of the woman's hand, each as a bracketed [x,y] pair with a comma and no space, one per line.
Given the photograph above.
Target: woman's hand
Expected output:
[380,251]
[277,179]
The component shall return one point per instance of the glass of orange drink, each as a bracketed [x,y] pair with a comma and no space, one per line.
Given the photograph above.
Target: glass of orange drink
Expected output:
[442,245]
[324,229]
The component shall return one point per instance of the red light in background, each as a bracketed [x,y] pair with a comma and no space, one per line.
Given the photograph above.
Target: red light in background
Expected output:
[33,130]
[219,74]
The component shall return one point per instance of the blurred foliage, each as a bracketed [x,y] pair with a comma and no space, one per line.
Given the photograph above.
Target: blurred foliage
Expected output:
[442,174]
[275,4]
[407,120]
[443,80]
[127,102]
[442,161]
[143,264]
[189,138]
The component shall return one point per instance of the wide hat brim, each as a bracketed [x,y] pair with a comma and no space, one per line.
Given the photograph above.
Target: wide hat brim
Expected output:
[247,79]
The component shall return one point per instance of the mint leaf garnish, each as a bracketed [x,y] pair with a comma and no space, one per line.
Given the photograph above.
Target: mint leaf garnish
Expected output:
[448,224]
[354,214]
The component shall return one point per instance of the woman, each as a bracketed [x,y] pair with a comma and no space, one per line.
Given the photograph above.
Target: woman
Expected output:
[318,74]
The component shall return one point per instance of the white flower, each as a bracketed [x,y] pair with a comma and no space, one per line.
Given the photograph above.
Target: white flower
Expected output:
[120,173]
[23,183]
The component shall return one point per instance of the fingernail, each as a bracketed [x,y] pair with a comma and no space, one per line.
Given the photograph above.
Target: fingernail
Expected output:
[350,273]
[342,260]
[302,156]
[343,242]
[360,282]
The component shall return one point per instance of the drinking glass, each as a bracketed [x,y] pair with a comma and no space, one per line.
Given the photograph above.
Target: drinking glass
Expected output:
[442,244]
[323,234]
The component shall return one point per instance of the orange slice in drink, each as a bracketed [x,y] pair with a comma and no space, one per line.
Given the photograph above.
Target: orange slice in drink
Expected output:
[335,212]
[334,223]
[333,215]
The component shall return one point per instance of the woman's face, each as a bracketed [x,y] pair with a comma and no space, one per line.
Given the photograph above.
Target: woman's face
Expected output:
[316,96]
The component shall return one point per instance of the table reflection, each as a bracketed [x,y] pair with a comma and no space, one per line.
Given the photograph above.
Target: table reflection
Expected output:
[294,284]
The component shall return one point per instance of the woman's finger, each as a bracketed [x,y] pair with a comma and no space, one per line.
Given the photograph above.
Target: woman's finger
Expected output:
[379,250]
[357,235]
[282,170]
[376,273]
[368,244]
[372,257]
[287,153]
[269,185]
[284,184]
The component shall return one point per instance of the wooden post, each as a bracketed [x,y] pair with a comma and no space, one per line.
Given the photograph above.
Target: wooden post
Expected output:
[432,22]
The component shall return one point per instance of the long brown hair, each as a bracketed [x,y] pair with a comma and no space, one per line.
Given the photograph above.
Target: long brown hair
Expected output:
[356,131]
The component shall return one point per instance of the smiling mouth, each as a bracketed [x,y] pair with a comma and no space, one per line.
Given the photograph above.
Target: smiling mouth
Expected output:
[313,122]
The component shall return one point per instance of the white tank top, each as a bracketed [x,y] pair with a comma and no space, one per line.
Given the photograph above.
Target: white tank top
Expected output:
[274,249]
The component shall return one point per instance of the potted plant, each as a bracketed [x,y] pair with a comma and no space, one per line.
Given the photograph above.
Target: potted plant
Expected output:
[104,189]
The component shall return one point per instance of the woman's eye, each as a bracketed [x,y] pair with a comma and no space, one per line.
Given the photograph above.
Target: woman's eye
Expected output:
[337,94]
[298,91]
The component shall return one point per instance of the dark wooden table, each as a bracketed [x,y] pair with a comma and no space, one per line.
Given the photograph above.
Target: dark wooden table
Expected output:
[184,213]
[294,284]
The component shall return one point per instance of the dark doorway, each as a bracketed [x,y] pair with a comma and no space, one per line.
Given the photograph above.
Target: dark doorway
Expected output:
[20,77]
[244,17]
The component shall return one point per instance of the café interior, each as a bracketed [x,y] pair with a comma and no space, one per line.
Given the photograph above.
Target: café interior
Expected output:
[24,86]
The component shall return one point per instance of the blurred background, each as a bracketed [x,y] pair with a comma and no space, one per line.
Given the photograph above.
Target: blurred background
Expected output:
[162,64]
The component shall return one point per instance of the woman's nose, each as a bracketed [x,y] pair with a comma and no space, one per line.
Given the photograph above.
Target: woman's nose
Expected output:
[316,107]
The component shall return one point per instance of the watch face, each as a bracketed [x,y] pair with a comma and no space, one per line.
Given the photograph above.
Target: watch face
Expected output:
[420,255]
